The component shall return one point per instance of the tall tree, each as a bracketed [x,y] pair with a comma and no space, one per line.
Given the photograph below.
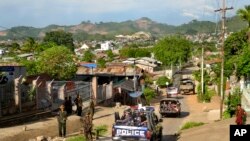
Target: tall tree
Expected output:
[88,56]
[245,15]
[57,62]
[60,38]
[172,50]
[29,45]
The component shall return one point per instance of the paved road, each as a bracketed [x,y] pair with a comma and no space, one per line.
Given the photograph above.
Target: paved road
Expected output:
[171,125]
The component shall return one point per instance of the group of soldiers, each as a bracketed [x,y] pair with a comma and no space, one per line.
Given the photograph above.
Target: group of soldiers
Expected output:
[133,118]
[86,120]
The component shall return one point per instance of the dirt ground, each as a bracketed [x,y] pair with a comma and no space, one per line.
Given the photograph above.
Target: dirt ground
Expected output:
[48,127]
[103,116]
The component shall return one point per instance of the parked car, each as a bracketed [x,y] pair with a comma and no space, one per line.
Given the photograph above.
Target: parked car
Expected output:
[170,106]
[172,91]
[150,130]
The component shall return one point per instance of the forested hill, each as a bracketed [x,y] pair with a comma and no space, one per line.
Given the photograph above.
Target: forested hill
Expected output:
[107,30]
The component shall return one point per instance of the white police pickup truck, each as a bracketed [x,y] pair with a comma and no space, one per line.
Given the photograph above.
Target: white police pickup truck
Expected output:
[150,131]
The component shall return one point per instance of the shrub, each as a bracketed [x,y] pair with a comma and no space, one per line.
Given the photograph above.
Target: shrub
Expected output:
[191,125]
[206,96]
[232,100]
[102,129]
[149,94]
[226,114]
[76,138]
[161,81]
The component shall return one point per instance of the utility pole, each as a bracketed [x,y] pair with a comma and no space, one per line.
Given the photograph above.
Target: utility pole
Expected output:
[202,70]
[223,16]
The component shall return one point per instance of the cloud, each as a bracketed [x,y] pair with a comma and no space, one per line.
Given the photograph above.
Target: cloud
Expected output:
[191,15]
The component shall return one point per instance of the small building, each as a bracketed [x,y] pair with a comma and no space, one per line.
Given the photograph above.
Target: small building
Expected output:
[106,45]
[148,64]
[79,51]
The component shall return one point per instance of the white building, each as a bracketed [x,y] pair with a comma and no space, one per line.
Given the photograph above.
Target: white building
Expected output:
[106,45]
[80,50]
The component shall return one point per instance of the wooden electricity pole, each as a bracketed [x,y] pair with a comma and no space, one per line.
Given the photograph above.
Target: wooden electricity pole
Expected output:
[223,16]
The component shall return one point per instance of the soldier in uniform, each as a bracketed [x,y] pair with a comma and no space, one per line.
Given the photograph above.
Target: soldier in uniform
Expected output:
[87,126]
[92,108]
[62,118]
[78,102]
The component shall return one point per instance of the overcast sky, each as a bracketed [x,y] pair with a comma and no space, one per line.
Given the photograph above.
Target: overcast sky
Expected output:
[40,13]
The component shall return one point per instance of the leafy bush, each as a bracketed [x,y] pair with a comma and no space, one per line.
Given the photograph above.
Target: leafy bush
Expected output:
[232,100]
[161,81]
[102,129]
[149,94]
[226,114]
[191,125]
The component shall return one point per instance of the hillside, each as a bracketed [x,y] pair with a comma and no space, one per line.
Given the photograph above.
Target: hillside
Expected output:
[91,31]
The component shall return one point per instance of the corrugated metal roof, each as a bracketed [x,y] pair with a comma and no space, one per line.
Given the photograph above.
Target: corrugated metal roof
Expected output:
[111,71]
[127,85]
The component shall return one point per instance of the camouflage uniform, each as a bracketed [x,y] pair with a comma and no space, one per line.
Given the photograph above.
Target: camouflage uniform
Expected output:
[92,108]
[61,118]
[87,126]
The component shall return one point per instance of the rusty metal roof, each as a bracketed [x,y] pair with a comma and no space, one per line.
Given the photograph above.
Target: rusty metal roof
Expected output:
[122,71]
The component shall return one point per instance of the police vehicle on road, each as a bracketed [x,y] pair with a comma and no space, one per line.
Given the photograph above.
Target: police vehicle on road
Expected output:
[130,130]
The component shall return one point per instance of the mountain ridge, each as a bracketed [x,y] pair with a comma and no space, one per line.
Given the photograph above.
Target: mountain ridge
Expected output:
[110,29]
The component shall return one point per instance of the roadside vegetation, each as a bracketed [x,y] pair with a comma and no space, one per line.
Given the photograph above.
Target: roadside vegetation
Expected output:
[231,101]
[191,124]
[76,138]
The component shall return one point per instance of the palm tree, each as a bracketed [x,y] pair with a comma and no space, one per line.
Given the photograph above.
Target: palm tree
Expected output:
[245,15]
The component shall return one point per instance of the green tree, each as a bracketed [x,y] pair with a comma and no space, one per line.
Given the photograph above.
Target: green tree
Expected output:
[44,45]
[15,47]
[245,14]
[57,62]
[149,94]
[60,38]
[101,62]
[243,64]
[161,81]
[172,50]
[31,66]
[88,56]
[234,48]
[135,52]
[29,45]
[110,55]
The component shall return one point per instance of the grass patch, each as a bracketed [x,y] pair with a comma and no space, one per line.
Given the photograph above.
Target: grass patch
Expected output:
[76,138]
[191,125]
[102,129]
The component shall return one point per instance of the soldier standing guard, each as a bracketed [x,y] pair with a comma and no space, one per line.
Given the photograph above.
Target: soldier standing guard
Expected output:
[87,126]
[92,107]
[61,118]
[78,102]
